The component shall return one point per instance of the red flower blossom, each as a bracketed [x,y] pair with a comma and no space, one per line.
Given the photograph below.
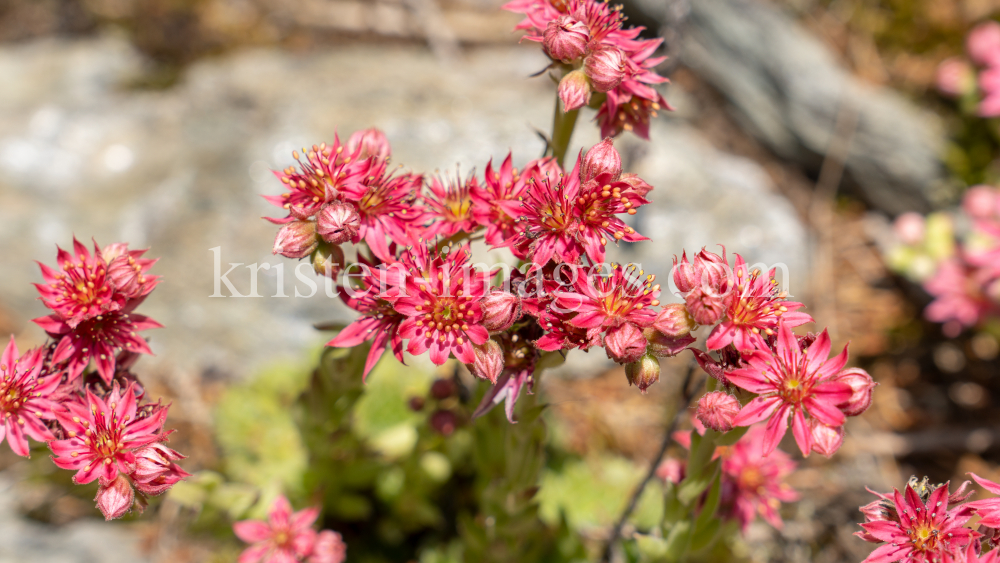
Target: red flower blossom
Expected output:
[325,170]
[918,530]
[387,203]
[496,200]
[755,306]
[440,296]
[80,289]
[26,398]
[103,435]
[754,483]
[450,206]
[608,301]
[793,383]
[98,339]
[562,219]
[379,322]
[285,537]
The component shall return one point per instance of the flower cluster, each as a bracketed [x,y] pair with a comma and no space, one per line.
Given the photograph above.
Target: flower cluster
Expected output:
[288,537]
[751,483]
[95,420]
[928,522]
[957,77]
[962,272]
[587,41]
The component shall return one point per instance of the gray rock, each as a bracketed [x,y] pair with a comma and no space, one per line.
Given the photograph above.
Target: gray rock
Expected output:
[787,88]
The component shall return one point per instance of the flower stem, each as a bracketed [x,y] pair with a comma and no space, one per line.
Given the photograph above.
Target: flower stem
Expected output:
[563,123]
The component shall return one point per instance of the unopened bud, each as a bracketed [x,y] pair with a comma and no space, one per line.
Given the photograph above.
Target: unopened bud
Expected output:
[643,372]
[574,90]
[674,320]
[565,38]
[370,142]
[685,277]
[662,346]
[416,404]
[717,410]
[124,274]
[328,260]
[602,158]
[296,239]
[501,309]
[861,385]
[443,422]
[606,67]
[625,343]
[489,361]
[826,440]
[983,44]
[115,498]
[706,308]
[441,389]
[338,222]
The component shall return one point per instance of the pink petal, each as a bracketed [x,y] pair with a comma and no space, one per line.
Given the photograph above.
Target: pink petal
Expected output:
[775,429]
[757,410]
[800,430]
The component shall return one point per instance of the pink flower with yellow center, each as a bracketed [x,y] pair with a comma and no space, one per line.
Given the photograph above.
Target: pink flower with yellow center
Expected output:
[440,296]
[388,205]
[918,530]
[609,300]
[754,306]
[449,205]
[754,484]
[560,218]
[379,321]
[496,200]
[98,339]
[80,289]
[792,383]
[103,434]
[322,172]
[26,400]
[286,536]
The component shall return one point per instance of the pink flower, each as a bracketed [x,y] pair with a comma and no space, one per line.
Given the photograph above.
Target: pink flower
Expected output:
[609,300]
[958,294]
[910,228]
[155,470]
[756,307]
[440,296]
[955,77]
[983,44]
[379,322]
[918,531]
[565,38]
[717,409]
[97,339]
[495,201]
[103,435]
[326,170]
[80,289]
[369,143]
[754,483]
[127,271]
[329,548]
[574,90]
[560,218]
[388,207]
[449,207]
[26,398]
[285,537]
[792,383]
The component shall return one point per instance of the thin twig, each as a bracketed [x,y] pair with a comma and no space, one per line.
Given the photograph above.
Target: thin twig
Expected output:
[686,396]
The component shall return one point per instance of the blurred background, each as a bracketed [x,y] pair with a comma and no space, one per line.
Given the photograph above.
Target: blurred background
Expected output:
[802,129]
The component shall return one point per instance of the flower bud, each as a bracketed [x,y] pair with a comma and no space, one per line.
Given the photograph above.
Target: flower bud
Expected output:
[826,440]
[685,277]
[662,346]
[296,239]
[443,422]
[706,308]
[606,67]
[565,38]
[861,385]
[983,44]
[489,361]
[638,184]
[370,142]
[126,276]
[115,498]
[329,548]
[643,372]
[328,260]
[717,410]
[602,158]
[441,389]
[712,270]
[674,321]
[574,90]
[625,343]
[955,77]
[501,309]
[338,222]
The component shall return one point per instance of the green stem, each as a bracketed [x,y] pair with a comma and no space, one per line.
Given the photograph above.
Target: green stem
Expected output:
[563,123]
